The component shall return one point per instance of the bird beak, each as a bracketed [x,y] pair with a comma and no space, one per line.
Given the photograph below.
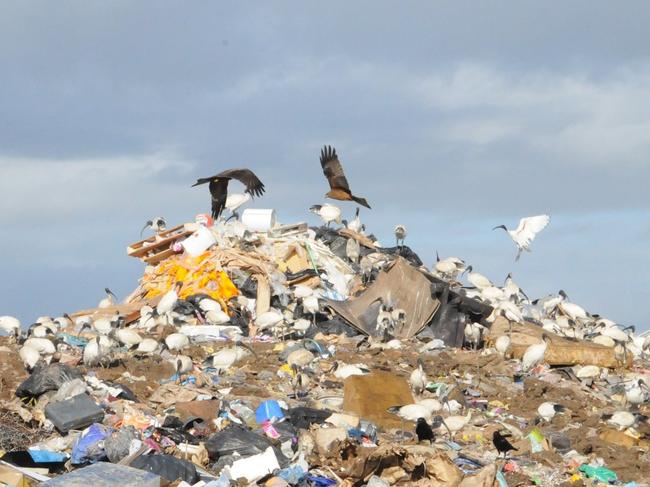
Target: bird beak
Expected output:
[500,226]
[147,225]
[247,347]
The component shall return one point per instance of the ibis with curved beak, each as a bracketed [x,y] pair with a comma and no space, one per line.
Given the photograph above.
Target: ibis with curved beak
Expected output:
[525,233]
[109,300]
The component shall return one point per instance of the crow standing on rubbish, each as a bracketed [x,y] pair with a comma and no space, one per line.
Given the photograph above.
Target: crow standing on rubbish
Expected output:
[502,444]
[219,187]
[339,187]
[424,431]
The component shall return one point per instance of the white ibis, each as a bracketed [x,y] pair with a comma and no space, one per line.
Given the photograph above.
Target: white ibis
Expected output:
[637,392]
[109,300]
[615,333]
[235,201]
[474,334]
[457,423]
[177,341]
[63,321]
[182,365]
[127,337]
[311,305]
[216,317]
[525,233]
[227,357]
[547,410]
[355,225]
[510,311]
[328,213]
[148,346]
[511,289]
[301,325]
[147,319]
[385,324]
[157,224]
[400,235]
[343,371]
[10,325]
[41,331]
[168,302]
[479,281]
[103,326]
[41,345]
[622,419]
[432,404]
[353,250]
[492,294]
[411,412]
[449,267]
[534,354]
[302,291]
[572,310]
[93,352]
[502,344]
[269,319]
[418,379]
[29,356]
[398,317]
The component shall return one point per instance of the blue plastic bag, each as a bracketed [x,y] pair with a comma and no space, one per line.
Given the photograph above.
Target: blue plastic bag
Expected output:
[268,411]
[89,447]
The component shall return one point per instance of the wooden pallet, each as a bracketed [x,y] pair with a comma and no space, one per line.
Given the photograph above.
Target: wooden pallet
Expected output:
[158,247]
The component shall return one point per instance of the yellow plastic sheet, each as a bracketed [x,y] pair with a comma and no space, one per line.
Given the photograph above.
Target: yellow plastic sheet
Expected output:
[198,275]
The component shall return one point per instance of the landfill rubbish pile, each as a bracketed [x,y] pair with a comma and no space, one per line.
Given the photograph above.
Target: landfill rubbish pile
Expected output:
[283,355]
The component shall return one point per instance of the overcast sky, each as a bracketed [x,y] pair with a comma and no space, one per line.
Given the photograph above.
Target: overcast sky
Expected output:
[450,117]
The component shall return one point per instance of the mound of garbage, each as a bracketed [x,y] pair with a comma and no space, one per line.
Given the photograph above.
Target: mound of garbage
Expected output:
[281,355]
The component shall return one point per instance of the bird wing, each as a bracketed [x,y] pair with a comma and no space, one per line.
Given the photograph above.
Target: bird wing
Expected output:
[333,169]
[219,192]
[529,227]
[254,186]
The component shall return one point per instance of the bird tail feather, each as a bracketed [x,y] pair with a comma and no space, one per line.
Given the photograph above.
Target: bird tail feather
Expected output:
[361,201]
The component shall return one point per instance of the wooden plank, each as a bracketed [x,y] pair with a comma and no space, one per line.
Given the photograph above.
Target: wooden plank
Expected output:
[362,239]
[560,351]
[159,242]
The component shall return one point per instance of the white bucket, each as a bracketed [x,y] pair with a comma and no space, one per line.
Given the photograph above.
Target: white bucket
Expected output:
[198,242]
[259,220]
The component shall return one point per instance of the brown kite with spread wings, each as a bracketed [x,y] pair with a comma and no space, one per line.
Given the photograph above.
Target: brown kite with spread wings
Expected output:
[339,188]
[219,187]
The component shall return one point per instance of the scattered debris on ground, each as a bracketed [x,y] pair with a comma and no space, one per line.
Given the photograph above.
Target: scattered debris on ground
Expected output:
[307,357]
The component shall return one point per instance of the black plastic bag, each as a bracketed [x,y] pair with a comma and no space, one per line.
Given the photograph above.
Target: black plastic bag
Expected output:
[168,467]
[302,417]
[46,378]
[237,439]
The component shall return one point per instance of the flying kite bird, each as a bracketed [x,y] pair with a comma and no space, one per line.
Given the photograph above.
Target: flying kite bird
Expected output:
[339,188]
[525,233]
[219,187]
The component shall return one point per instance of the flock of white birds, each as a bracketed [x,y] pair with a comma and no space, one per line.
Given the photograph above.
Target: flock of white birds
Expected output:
[554,313]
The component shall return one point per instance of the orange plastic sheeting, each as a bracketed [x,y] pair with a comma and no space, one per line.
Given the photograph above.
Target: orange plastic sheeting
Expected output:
[198,274]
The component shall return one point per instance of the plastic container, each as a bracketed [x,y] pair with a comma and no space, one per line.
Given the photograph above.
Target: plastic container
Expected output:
[74,413]
[261,220]
[198,242]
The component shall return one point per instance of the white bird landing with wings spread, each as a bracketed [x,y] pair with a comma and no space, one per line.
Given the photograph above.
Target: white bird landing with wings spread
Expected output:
[525,233]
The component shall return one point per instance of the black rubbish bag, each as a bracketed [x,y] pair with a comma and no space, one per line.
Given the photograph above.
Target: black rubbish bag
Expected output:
[168,467]
[237,439]
[46,378]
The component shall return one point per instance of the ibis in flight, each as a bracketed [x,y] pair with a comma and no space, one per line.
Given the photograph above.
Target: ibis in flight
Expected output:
[525,233]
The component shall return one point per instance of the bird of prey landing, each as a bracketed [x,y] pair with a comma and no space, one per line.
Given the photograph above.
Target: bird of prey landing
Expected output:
[219,187]
[339,188]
